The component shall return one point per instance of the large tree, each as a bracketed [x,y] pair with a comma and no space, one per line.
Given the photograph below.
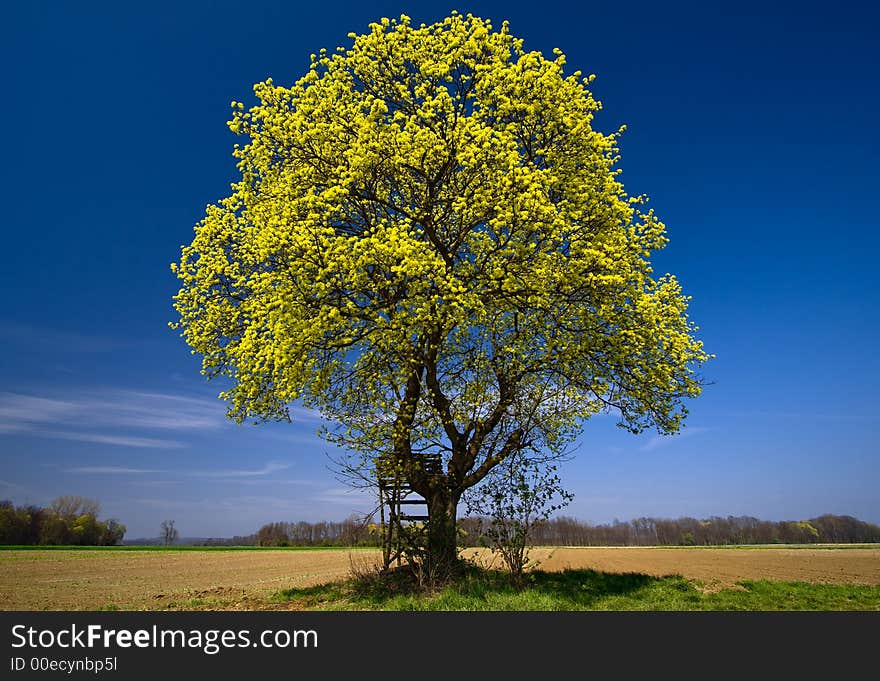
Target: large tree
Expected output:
[429,243]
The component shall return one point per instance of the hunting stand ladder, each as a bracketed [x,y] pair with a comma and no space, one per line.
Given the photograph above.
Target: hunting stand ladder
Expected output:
[402,529]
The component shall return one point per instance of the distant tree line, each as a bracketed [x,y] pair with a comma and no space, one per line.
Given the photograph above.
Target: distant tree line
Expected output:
[237,540]
[73,520]
[353,531]
[567,531]
[68,520]
[715,531]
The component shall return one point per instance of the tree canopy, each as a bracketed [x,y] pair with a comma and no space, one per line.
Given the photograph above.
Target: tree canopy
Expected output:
[430,244]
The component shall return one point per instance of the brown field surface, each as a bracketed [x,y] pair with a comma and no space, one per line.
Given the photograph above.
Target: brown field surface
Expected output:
[719,568]
[159,580]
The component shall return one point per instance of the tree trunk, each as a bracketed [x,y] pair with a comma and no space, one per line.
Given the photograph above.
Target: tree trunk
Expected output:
[442,555]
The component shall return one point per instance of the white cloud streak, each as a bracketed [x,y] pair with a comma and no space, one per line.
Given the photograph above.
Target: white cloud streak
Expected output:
[271,467]
[302,414]
[111,408]
[24,412]
[242,476]
[118,440]
[88,416]
[240,504]
[344,496]
[663,440]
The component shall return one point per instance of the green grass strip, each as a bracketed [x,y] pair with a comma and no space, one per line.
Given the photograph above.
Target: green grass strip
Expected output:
[581,590]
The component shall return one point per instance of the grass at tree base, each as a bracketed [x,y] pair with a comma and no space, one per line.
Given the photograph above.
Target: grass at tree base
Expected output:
[475,588]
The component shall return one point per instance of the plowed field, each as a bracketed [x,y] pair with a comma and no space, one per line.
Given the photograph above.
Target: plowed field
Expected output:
[159,580]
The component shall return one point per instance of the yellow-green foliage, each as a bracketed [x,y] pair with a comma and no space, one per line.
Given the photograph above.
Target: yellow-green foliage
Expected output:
[429,231]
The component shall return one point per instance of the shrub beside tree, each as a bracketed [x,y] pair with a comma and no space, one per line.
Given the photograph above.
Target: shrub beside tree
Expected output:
[513,500]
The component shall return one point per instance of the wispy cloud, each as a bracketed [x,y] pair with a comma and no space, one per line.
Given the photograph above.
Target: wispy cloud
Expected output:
[111,408]
[111,470]
[302,414]
[662,440]
[24,412]
[261,476]
[344,496]
[160,410]
[296,482]
[246,475]
[269,468]
[212,505]
[239,504]
[155,483]
[90,415]
[119,440]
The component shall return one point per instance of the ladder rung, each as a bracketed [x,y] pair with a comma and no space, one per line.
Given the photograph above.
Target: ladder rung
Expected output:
[412,501]
[414,517]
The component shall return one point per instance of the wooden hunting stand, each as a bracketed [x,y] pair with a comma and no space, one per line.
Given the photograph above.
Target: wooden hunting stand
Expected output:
[401,529]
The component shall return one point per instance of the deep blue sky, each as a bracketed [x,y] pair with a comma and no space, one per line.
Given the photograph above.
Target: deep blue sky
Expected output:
[753,129]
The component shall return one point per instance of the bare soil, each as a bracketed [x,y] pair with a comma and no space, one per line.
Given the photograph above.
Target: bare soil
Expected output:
[162,580]
[245,580]
[722,568]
